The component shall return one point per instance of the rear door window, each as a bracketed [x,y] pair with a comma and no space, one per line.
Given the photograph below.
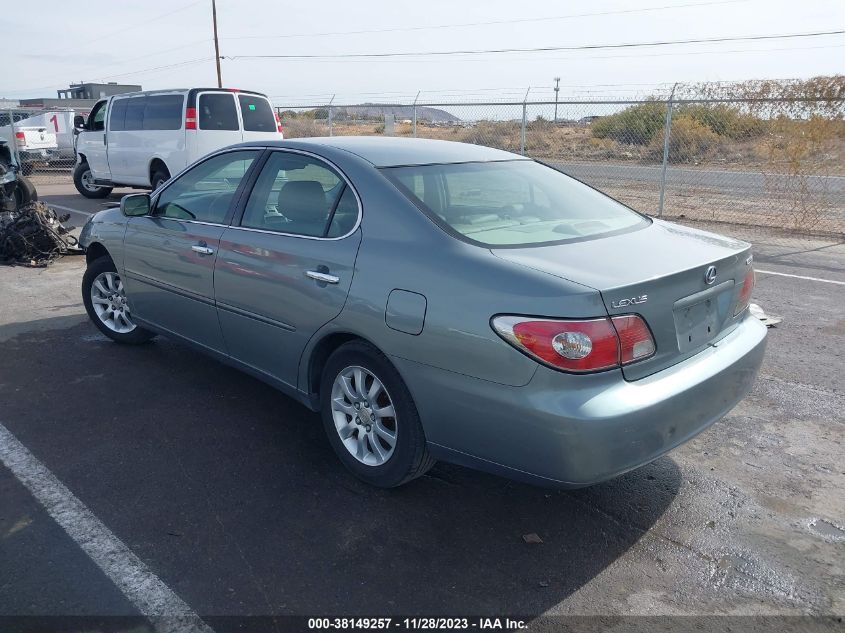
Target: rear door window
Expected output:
[134,119]
[257,114]
[217,111]
[163,112]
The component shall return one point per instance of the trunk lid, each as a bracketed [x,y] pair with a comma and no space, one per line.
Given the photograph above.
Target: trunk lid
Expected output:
[659,273]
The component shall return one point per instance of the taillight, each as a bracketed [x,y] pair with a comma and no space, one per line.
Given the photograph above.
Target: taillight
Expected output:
[635,340]
[20,138]
[744,297]
[279,127]
[578,345]
[190,118]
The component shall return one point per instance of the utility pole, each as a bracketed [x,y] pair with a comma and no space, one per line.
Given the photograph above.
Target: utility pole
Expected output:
[557,90]
[216,43]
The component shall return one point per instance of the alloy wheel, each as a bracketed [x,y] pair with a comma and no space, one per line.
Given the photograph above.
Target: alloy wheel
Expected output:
[109,301]
[364,415]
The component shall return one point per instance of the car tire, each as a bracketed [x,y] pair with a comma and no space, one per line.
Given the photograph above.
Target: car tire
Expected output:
[160,176]
[81,179]
[102,282]
[389,466]
[24,192]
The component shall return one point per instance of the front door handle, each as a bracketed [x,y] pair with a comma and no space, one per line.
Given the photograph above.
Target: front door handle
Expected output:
[202,249]
[324,277]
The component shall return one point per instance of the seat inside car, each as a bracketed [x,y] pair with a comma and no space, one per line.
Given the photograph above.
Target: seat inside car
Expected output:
[303,203]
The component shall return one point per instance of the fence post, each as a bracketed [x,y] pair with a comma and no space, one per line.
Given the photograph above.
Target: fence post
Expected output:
[415,113]
[524,119]
[667,131]
[331,126]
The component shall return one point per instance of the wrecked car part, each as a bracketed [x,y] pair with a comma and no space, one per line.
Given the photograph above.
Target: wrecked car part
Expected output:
[34,236]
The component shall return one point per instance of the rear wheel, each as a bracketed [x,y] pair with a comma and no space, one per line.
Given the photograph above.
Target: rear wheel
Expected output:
[105,301]
[370,417]
[160,176]
[83,179]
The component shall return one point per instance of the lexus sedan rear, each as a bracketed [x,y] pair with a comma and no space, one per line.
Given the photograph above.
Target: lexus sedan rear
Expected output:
[437,300]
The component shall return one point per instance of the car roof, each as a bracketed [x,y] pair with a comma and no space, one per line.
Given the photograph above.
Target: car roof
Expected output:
[388,151]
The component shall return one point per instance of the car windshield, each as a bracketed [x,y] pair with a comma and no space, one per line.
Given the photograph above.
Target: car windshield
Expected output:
[511,203]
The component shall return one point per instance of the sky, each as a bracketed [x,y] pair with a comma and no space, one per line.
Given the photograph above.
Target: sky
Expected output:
[168,44]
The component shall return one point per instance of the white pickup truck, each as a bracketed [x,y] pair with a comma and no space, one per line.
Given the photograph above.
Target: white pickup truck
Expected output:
[33,143]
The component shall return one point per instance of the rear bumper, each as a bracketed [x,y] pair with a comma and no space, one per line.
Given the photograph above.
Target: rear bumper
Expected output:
[574,431]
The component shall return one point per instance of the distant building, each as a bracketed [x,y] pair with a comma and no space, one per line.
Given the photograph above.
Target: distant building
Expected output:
[96,91]
[589,119]
[79,96]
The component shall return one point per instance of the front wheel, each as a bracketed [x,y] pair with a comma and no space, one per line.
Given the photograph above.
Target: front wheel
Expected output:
[83,179]
[106,304]
[370,417]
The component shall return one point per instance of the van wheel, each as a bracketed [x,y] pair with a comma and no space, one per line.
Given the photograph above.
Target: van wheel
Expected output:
[370,417]
[105,302]
[84,182]
[27,169]
[160,176]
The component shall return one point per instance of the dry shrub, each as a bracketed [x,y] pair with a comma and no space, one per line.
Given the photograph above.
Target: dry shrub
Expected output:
[689,141]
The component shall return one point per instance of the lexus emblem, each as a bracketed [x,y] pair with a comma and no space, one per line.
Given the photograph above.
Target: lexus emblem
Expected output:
[710,275]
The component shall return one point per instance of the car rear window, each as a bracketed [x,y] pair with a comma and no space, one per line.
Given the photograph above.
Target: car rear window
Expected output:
[257,114]
[217,112]
[511,203]
[163,112]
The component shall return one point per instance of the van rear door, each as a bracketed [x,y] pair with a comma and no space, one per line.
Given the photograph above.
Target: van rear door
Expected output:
[217,121]
[259,121]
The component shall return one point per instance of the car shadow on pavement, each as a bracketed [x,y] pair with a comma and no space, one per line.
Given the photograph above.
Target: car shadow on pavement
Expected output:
[232,495]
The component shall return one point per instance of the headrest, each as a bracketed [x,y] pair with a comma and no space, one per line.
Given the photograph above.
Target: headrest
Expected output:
[303,200]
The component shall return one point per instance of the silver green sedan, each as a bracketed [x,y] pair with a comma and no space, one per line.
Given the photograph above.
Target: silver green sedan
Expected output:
[437,301]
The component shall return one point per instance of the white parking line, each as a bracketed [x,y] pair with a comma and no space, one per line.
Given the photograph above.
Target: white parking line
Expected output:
[62,208]
[824,281]
[165,610]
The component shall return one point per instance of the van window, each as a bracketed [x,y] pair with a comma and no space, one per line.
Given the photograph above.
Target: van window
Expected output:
[163,112]
[134,119]
[257,114]
[217,112]
[118,114]
[97,118]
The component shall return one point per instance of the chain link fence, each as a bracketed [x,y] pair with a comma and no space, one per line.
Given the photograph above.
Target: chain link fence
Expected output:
[760,162]
[760,155]
[42,141]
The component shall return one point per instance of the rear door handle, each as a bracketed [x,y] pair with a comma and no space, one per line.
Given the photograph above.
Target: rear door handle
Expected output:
[324,277]
[202,250]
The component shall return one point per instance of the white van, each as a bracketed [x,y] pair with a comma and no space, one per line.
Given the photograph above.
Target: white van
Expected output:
[140,139]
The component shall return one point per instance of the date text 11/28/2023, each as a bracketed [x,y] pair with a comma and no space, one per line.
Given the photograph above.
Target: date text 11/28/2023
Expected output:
[417,624]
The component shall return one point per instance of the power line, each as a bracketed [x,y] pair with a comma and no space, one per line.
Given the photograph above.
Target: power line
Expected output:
[541,49]
[134,26]
[488,23]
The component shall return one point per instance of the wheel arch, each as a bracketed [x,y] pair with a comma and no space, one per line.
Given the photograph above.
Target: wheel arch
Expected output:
[319,353]
[155,163]
[95,251]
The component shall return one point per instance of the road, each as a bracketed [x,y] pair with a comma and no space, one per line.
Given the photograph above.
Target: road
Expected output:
[229,497]
[726,181]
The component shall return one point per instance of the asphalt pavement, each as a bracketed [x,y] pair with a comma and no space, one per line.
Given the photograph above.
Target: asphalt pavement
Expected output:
[227,493]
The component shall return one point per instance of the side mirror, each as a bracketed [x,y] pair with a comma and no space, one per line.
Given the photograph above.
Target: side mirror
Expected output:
[79,122]
[135,205]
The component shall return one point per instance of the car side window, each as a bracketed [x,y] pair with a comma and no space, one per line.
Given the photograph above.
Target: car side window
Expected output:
[206,192]
[295,194]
